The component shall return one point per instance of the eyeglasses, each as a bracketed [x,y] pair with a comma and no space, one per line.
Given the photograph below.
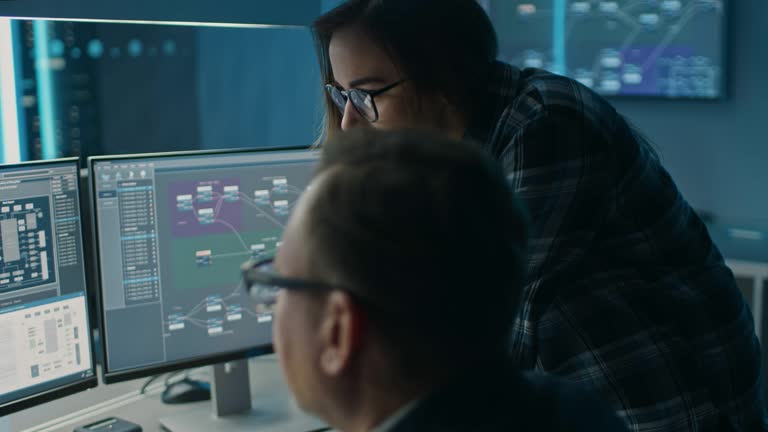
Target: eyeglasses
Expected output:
[362,100]
[263,283]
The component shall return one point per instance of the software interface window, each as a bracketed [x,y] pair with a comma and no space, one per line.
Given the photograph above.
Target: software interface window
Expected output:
[44,334]
[173,232]
[668,48]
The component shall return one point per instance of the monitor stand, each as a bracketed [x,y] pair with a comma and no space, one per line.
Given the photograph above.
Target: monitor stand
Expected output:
[233,409]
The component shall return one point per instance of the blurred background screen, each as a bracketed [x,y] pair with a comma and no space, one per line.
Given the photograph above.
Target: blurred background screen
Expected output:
[106,88]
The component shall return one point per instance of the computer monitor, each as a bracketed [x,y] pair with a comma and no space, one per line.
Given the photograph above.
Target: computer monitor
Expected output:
[646,48]
[45,338]
[172,231]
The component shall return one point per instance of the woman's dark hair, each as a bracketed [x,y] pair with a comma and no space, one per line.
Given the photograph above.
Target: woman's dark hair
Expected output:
[428,232]
[443,47]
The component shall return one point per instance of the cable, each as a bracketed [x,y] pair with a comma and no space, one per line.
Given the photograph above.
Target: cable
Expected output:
[172,375]
[166,383]
[148,382]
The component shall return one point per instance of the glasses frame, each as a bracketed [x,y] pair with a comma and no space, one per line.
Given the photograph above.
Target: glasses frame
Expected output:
[253,275]
[330,88]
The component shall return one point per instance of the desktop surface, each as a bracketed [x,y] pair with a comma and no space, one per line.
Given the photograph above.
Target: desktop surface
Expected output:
[123,400]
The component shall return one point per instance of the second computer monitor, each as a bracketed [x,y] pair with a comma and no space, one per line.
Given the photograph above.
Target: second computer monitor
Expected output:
[172,231]
[45,340]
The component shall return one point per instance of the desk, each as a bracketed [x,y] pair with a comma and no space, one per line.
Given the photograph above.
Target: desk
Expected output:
[123,400]
[746,253]
[752,278]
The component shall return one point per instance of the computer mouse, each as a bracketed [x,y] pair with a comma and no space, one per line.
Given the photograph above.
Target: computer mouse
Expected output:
[186,391]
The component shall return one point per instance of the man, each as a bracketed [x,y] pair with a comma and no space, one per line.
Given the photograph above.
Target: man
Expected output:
[397,284]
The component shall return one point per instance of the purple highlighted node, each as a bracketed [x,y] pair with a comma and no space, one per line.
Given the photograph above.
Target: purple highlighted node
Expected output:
[205,207]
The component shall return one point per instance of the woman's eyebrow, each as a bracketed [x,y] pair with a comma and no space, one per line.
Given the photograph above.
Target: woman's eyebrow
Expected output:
[365,80]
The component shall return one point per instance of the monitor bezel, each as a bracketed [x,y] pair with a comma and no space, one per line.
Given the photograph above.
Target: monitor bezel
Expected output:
[110,376]
[82,384]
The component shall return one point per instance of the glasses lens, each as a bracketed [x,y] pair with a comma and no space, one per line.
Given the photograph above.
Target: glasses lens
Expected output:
[264,294]
[258,280]
[363,102]
[337,97]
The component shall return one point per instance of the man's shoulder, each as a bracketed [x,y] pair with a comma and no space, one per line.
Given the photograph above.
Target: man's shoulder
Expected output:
[511,401]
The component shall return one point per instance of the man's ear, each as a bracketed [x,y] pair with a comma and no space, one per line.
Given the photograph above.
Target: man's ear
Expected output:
[341,333]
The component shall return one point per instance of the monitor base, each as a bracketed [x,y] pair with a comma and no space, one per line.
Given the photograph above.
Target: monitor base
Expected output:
[233,410]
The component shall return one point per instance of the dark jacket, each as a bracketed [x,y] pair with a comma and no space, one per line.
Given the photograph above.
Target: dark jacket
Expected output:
[509,400]
[626,293]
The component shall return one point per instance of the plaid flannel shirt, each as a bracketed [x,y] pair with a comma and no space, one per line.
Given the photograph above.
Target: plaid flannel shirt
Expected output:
[626,293]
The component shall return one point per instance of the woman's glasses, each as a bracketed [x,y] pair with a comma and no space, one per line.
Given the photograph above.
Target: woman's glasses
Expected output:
[362,100]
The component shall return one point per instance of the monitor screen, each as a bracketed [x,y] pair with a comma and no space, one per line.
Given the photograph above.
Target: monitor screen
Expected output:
[172,232]
[45,341]
[660,48]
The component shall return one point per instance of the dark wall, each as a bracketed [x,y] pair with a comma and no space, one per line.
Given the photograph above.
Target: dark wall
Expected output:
[148,103]
[257,88]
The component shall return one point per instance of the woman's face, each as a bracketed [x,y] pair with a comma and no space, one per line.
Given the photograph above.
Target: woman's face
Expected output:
[358,63]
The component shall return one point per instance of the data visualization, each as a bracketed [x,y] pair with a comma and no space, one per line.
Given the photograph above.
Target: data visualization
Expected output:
[208,219]
[44,333]
[667,48]
[49,341]
[173,232]
[26,246]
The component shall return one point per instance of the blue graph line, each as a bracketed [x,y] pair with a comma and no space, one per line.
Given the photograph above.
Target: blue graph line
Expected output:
[558,39]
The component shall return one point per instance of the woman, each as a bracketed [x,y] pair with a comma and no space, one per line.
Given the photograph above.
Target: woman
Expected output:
[626,293]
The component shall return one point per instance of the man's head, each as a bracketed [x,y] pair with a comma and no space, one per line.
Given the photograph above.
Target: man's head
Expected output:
[422,244]
[441,50]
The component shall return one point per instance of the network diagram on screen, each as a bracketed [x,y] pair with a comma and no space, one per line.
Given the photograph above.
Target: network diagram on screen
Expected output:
[667,48]
[208,217]
[183,230]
